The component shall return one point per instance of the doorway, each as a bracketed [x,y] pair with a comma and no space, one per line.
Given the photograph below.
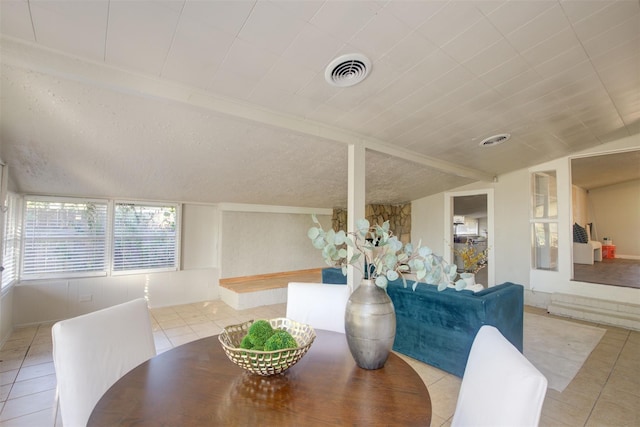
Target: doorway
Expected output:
[605,200]
[469,220]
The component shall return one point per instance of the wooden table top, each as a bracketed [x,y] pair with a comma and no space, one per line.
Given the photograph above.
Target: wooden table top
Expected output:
[195,384]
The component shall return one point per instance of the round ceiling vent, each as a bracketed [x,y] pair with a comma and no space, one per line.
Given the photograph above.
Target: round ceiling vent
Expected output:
[347,70]
[495,140]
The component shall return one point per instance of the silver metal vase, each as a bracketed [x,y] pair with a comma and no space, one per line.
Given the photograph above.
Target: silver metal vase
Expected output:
[370,325]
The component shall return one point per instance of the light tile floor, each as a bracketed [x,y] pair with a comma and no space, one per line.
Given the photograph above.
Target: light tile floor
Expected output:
[605,392]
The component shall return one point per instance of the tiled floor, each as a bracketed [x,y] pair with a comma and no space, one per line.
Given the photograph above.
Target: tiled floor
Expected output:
[605,392]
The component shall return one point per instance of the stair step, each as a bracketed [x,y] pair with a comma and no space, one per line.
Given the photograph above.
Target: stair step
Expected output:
[625,315]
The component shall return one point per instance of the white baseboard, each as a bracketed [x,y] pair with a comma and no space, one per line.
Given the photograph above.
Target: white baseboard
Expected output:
[623,256]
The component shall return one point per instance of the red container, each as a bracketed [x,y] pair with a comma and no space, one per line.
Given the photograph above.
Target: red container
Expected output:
[608,251]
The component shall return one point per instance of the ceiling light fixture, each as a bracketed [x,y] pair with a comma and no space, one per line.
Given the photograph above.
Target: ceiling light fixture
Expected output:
[495,140]
[347,70]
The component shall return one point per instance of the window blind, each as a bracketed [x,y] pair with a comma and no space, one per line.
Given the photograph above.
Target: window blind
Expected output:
[64,236]
[144,237]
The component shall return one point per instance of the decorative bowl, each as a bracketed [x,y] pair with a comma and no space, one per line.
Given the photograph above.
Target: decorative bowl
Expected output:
[267,362]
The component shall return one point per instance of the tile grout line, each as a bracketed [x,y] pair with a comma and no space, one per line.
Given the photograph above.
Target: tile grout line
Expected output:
[613,366]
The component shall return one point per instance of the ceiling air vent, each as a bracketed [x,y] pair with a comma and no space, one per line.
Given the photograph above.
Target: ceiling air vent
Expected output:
[347,70]
[495,140]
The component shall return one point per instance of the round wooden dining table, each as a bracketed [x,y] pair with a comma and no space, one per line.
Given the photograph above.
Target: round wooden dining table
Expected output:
[195,384]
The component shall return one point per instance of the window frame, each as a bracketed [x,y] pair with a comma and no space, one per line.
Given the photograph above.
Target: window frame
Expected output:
[178,227]
[543,215]
[63,274]
[109,239]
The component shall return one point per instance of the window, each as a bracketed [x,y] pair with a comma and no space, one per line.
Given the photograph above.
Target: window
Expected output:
[144,237]
[64,237]
[11,240]
[544,221]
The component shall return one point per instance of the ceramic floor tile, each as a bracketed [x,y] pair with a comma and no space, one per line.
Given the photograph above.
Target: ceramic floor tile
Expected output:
[26,332]
[17,344]
[444,396]
[595,376]
[598,365]
[175,332]
[183,339]
[570,397]
[584,386]
[41,353]
[563,413]
[545,421]
[35,385]
[606,352]
[227,321]
[630,358]
[42,340]
[186,308]
[8,377]
[163,345]
[30,404]
[195,319]
[15,354]
[428,373]
[164,317]
[44,418]
[215,312]
[630,352]
[29,372]
[4,391]
[10,364]
[610,413]
[173,323]
[623,392]
[206,329]
[437,421]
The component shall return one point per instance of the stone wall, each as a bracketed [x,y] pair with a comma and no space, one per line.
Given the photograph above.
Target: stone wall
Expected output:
[399,217]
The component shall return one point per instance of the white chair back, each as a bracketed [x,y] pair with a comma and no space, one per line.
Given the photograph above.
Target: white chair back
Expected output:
[91,352]
[317,304]
[500,387]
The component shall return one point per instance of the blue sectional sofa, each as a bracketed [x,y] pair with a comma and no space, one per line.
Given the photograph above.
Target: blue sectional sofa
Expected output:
[438,327]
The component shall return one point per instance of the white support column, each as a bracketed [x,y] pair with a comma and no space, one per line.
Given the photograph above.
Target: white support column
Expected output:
[356,202]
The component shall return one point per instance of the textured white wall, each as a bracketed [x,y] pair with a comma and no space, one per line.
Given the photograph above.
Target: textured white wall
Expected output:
[579,205]
[267,242]
[427,222]
[199,236]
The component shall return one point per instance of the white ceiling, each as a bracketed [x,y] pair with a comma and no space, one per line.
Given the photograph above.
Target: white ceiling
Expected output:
[607,169]
[225,101]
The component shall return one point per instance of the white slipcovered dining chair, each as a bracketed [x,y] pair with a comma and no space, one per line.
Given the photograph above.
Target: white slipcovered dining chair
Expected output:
[318,304]
[91,352]
[500,387]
